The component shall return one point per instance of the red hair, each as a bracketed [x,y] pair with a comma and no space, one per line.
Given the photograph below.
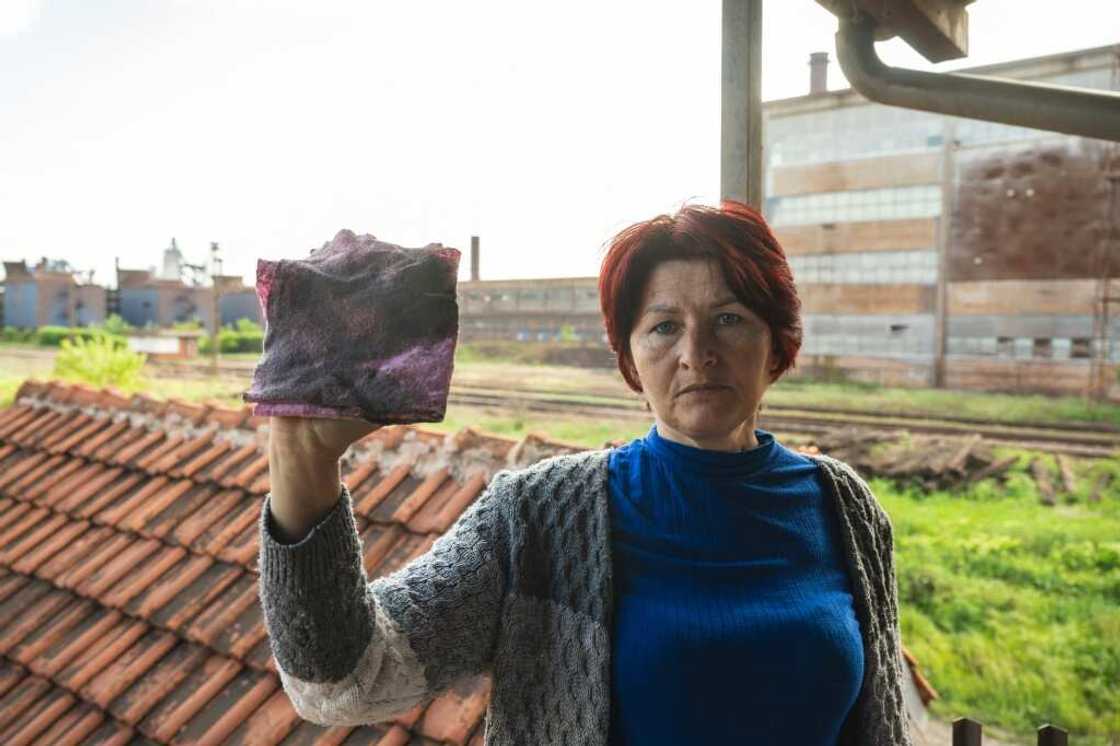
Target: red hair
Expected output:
[735,235]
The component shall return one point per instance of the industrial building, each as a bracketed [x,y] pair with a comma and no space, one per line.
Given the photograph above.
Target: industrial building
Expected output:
[927,249]
[51,293]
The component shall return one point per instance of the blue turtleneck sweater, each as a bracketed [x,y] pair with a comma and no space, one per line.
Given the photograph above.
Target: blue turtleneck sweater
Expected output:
[733,620]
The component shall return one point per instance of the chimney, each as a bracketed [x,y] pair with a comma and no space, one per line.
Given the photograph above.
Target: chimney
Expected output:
[818,73]
[474,258]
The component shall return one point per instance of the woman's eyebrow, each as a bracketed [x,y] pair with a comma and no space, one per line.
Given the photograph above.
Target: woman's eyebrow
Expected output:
[663,308]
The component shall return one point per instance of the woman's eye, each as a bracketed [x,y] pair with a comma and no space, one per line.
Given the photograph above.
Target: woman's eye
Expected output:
[734,317]
[662,327]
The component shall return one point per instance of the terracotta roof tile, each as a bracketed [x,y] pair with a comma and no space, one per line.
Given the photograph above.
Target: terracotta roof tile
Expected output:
[90,445]
[14,416]
[170,584]
[140,698]
[117,443]
[25,610]
[186,498]
[231,705]
[275,721]
[142,576]
[26,541]
[137,447]
[232,525]
[22,522]
[187,699]
[31,474]
[124,484]
[248,472]
[128,667]
[206,457]
[60,472]
[220,613]
[149,458]
[94,426]
[93,482]
[31,647]
[84,566]
[71,425]
[74,553]
[243,548]
[75,641]
[217,506]
[426,518]
[372,492]
[74,726]
[101,653]
[229,462]
[136,553]
[61,480]
[32,560]
[112,733]
[21,700]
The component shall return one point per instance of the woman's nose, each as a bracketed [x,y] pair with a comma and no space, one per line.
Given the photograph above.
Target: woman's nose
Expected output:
[698,348]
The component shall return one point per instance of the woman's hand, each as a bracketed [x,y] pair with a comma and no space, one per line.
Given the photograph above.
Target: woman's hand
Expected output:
[304,482]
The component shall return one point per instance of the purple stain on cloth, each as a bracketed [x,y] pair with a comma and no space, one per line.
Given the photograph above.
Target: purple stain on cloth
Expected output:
[361,328]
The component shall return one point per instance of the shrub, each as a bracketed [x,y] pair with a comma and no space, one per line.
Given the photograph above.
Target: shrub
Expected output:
[99,361]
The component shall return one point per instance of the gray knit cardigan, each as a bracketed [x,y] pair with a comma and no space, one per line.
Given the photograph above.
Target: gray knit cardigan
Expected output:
[520,586]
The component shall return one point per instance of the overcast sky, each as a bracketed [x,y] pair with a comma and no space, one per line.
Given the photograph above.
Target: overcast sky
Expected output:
[268,125]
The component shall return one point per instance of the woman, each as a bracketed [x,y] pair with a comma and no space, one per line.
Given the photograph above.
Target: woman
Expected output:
[701,584]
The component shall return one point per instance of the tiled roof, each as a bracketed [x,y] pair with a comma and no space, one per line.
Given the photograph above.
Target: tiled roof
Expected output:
[129,605]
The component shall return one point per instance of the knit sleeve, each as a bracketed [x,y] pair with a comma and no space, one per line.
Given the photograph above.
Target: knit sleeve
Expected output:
[350,651]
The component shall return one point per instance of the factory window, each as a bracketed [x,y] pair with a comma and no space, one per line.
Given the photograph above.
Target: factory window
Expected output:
[1005,346]
[849,132]
[1043,347]
[919,267]
[1080,348]
[893,203]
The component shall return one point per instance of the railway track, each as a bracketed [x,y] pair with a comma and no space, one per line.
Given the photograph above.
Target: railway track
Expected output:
[1092,440]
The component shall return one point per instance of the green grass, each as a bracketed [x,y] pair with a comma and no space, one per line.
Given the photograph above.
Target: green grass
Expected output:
[577,431]
[978,404]
[1012,607]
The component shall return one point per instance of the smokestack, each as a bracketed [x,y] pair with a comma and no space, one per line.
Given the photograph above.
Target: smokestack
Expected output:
[474,258]
[818,73]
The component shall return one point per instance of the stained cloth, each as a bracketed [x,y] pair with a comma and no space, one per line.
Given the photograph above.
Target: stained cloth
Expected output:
[361,328]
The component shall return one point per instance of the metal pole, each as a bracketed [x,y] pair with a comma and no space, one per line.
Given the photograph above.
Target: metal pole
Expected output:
[1074,111]
[740,172]
[944,225]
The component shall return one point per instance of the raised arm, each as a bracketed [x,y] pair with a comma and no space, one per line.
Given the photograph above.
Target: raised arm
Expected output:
[350,651]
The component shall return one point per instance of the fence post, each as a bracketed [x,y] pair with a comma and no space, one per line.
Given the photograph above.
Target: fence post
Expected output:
[1048,735]
[966,732]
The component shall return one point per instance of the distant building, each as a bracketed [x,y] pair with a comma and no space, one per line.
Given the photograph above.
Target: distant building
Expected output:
[49,294]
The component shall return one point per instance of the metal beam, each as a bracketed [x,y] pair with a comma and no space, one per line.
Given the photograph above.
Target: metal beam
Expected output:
[740,173]
[938,29]
[1074,111]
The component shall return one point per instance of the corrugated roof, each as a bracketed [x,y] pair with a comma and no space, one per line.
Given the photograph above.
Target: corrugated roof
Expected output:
[129,606]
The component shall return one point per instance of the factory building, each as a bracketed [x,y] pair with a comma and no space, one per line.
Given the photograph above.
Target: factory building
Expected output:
[928,250]
[51,293]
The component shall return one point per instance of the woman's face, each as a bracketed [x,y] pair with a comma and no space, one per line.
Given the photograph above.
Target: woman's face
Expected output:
[692,330]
